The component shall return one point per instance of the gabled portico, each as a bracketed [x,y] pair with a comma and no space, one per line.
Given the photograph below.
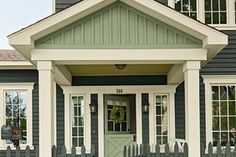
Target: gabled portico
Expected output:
[106,32]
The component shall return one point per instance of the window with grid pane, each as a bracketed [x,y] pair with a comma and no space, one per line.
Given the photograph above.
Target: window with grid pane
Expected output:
[223,114]
[15,111]
[161,119]
[77,121]
[215,12]
[187,7]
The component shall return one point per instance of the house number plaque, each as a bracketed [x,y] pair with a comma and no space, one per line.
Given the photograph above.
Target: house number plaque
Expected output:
[119,91]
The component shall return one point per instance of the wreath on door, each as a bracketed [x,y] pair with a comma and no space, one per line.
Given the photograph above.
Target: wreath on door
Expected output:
[117,115]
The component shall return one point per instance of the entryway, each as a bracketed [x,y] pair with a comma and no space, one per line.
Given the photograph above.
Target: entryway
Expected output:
[119,122]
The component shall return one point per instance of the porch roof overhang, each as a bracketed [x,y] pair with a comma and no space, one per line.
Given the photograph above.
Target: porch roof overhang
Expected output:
[23,40]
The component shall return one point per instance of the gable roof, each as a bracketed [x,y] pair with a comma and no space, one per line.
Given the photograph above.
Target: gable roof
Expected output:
[23,40]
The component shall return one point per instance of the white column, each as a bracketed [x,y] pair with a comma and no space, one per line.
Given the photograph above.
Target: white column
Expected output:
[46,102]
[192,107]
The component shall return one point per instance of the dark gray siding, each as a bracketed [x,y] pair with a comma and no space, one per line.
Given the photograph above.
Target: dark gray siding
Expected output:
[180,112]
[94,124]
[21,76]
[163,1]
[145,119]
[224,63]
[62,4]
[60,117]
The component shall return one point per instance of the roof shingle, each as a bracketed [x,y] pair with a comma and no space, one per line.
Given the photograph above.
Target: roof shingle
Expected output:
[10,55]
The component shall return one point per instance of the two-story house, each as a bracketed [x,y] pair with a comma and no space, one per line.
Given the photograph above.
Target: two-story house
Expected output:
[110,73]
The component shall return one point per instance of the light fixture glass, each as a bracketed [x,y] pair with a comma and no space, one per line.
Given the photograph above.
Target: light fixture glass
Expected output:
[145,107]
[93,108]
[120,66]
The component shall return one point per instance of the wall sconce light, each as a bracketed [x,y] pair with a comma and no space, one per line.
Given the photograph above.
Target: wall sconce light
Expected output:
[93,108]
[120,66]
[145,107]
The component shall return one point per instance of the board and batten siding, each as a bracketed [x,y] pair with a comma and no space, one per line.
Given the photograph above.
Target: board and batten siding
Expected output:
[118,26]
[25,76]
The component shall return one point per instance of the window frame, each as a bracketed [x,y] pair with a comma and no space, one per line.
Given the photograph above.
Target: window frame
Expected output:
[218,12]
[230,11]
[68,120]
[209,81]
[28,87]
[188,11]
[168,117]
[170,92]
[72,116]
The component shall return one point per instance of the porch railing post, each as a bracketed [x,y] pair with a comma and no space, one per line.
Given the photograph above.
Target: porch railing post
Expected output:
[8,153]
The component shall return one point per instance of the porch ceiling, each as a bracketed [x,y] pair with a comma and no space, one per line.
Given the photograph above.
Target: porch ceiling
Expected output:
[134,69]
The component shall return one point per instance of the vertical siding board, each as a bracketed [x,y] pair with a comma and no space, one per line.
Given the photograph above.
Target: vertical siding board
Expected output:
[97,30]
[141,30]
[123,25]
[115,25]
[8,152]
[122,28]
[150,32]
[77,34]
[87,32]
[106,29]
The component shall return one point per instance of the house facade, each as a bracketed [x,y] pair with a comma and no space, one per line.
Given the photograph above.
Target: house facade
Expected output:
[110,73]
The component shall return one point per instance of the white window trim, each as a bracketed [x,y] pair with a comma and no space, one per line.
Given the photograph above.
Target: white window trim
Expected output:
[18,86]
[230,11]
[100,90]
[210,80]
[68,120]
[170,92]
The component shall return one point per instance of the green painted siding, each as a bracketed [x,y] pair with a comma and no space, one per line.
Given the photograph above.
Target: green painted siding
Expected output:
[118,26]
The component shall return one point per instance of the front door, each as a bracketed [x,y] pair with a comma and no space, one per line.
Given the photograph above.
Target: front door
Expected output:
[120,123]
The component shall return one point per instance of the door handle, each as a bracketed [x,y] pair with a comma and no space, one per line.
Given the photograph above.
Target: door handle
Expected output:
[134,137]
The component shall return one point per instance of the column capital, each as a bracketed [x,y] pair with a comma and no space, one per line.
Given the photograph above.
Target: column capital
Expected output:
[191,65]
[45,65]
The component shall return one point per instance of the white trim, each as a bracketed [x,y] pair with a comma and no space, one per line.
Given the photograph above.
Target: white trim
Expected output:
[62,75]
[16,65]
[225,27]
[55,112]
[139,130]
[100,90]
[108,56]
[175,74]
[201,11]
[192,107]
[170,92]
[28,87]
[53,6]
[23,40]
[68,119]
[101,141]
[46,103]
[171,3]
[210,80]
